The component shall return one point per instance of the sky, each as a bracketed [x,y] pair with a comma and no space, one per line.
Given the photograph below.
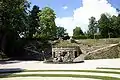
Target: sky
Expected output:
[72,13]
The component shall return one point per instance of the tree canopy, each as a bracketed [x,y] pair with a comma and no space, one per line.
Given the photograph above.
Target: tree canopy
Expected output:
[13,15]
[93,27]
[77,31]
[107,26]
[47,28]
[61,31]
[104,25]
[33,21]
[17,22]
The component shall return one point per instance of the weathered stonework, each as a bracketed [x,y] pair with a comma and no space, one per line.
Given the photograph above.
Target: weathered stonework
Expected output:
[109,52]
[65,54]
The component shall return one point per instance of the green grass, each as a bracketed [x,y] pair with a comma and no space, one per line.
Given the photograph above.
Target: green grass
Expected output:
[61,75]
[92,42]
[108,68]
[72,71]
[100,41]
[66,71]
[9,74]
[64,43]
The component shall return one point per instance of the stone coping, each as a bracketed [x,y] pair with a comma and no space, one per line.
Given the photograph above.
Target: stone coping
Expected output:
[65,47]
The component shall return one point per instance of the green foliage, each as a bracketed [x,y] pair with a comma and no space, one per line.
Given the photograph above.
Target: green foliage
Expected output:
[13,15]
[73,41]
[33,22]
[14,18]
[47,23]
[93,27]
[95,36]
[61,31]
[80,37]
[16,21]
[116,26]
[104,25]
[77,31]
[65,43]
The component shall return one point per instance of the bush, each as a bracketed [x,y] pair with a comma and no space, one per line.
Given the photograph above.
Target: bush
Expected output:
[73,41]
[92,36]
[79,37]
[66,37]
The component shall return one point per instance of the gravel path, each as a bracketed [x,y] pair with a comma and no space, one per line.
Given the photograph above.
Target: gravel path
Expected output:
[87,65]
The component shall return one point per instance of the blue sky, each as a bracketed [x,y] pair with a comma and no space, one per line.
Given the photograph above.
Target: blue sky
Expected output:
[72,13]
[57,5]
[115,3]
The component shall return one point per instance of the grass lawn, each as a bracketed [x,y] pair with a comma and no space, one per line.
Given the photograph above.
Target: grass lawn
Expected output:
[66,75]
[62,75]
[108,68]
[72,71]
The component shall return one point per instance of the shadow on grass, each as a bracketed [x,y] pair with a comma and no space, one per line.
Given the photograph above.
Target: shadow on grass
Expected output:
[9,71]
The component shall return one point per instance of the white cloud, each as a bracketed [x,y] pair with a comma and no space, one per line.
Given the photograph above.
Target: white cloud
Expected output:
[81,15]
[65,7]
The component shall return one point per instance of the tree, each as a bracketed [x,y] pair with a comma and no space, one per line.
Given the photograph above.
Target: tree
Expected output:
[66,36]
[104,24]
[33,21]
[14,15]
[92,26]
[13,22]
[114,26]
[61,31]
[77,31]
[47,23]
[118,25]
[118,10]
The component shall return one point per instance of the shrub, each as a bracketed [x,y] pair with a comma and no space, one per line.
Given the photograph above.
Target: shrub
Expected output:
[79,37]
[73,41]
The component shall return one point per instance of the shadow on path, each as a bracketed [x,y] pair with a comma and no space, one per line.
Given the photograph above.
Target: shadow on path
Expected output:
[9,71]
[8,62]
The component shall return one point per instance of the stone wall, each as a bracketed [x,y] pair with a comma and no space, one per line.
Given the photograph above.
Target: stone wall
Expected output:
[65,54]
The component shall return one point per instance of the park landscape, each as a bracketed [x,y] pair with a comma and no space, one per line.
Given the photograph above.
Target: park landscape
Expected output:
[28,35]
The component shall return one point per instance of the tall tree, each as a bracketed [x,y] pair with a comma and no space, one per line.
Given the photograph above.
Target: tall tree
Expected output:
[61,31]
[118,10]
[13,15]
[33,21]
[114,26]
[92,26]
[118,24]
[47,23]
[104,25]
[77,31]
